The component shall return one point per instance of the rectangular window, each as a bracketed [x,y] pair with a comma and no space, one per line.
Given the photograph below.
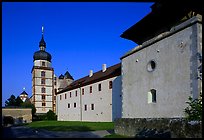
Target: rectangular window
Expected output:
[152,96]
[74,104]
[92,106]
[43,97]
[76,93]
[42,73]
[43,104]
[65,96]
[110,84]
[43,90]
[55,90]
[90,89]
[68,105]
[42,81]
[82,91]
[99,87]
[43,63]
[60,97]
[70,94]
[85,107]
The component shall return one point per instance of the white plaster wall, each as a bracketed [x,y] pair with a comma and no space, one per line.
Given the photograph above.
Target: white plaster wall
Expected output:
[39,63]
[68,114]
[102,101]
[171,78]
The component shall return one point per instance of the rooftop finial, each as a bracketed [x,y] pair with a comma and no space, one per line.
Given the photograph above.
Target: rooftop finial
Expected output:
[42,30]
[24,88]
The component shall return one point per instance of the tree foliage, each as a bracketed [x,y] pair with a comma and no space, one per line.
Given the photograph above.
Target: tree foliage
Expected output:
[13,101]
[194,109]
[51,115]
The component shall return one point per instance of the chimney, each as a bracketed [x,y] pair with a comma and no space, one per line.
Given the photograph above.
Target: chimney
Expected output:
[104,67]
[91,73]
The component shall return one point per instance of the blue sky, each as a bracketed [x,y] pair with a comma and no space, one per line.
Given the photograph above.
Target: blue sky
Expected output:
[80,36]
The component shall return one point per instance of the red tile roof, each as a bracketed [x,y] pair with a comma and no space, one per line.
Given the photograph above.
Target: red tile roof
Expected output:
[110,72]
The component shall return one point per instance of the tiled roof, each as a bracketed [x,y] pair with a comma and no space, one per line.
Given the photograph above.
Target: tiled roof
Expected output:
[110,72]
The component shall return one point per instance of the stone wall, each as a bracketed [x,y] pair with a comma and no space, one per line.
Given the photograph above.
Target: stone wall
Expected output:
[20,115]
[158,127]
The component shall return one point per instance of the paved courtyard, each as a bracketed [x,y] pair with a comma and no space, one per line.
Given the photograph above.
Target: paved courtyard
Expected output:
[25,132]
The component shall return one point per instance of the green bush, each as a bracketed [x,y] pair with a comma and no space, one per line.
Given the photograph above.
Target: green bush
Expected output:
[51,115]
[8,120]
[194,110]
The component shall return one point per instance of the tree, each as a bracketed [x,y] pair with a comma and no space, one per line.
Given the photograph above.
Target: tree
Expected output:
[194,110]
[28,104]
[18,101]
[11,101]
[51,115]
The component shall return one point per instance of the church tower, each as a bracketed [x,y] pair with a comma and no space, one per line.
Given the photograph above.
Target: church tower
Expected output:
[42,79]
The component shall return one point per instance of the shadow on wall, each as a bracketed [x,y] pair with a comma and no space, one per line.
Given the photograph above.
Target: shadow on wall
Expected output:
[117,98]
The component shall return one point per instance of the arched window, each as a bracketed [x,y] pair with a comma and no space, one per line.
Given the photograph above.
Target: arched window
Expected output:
[152,96]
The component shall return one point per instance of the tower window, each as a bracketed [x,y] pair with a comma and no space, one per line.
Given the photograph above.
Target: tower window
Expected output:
[74,104]
[55,90]
[110,84]
[42,73]
[70,94]
[43,63]
[68,105]
[65,96]
[43,90]
[152,96]
[60,97]
[43,104]
[99,87]
[76,93]
[42,81]
[43,97]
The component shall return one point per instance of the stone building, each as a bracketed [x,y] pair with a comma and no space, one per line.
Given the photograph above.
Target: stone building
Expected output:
[42,80]
[96,97]
[164,69]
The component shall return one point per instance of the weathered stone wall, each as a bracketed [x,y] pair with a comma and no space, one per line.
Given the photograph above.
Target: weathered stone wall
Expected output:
[158,127]
[18,113]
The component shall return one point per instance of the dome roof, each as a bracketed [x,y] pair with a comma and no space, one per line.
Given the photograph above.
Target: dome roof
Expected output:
[42,55]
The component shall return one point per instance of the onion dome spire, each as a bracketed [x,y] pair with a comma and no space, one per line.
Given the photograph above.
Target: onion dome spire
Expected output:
[42,43]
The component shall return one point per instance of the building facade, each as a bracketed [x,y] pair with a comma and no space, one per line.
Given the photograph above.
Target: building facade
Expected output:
[42,80]
[161,73]
[96,97]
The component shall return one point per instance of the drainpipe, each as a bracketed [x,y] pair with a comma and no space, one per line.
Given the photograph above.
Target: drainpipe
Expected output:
[80,101]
